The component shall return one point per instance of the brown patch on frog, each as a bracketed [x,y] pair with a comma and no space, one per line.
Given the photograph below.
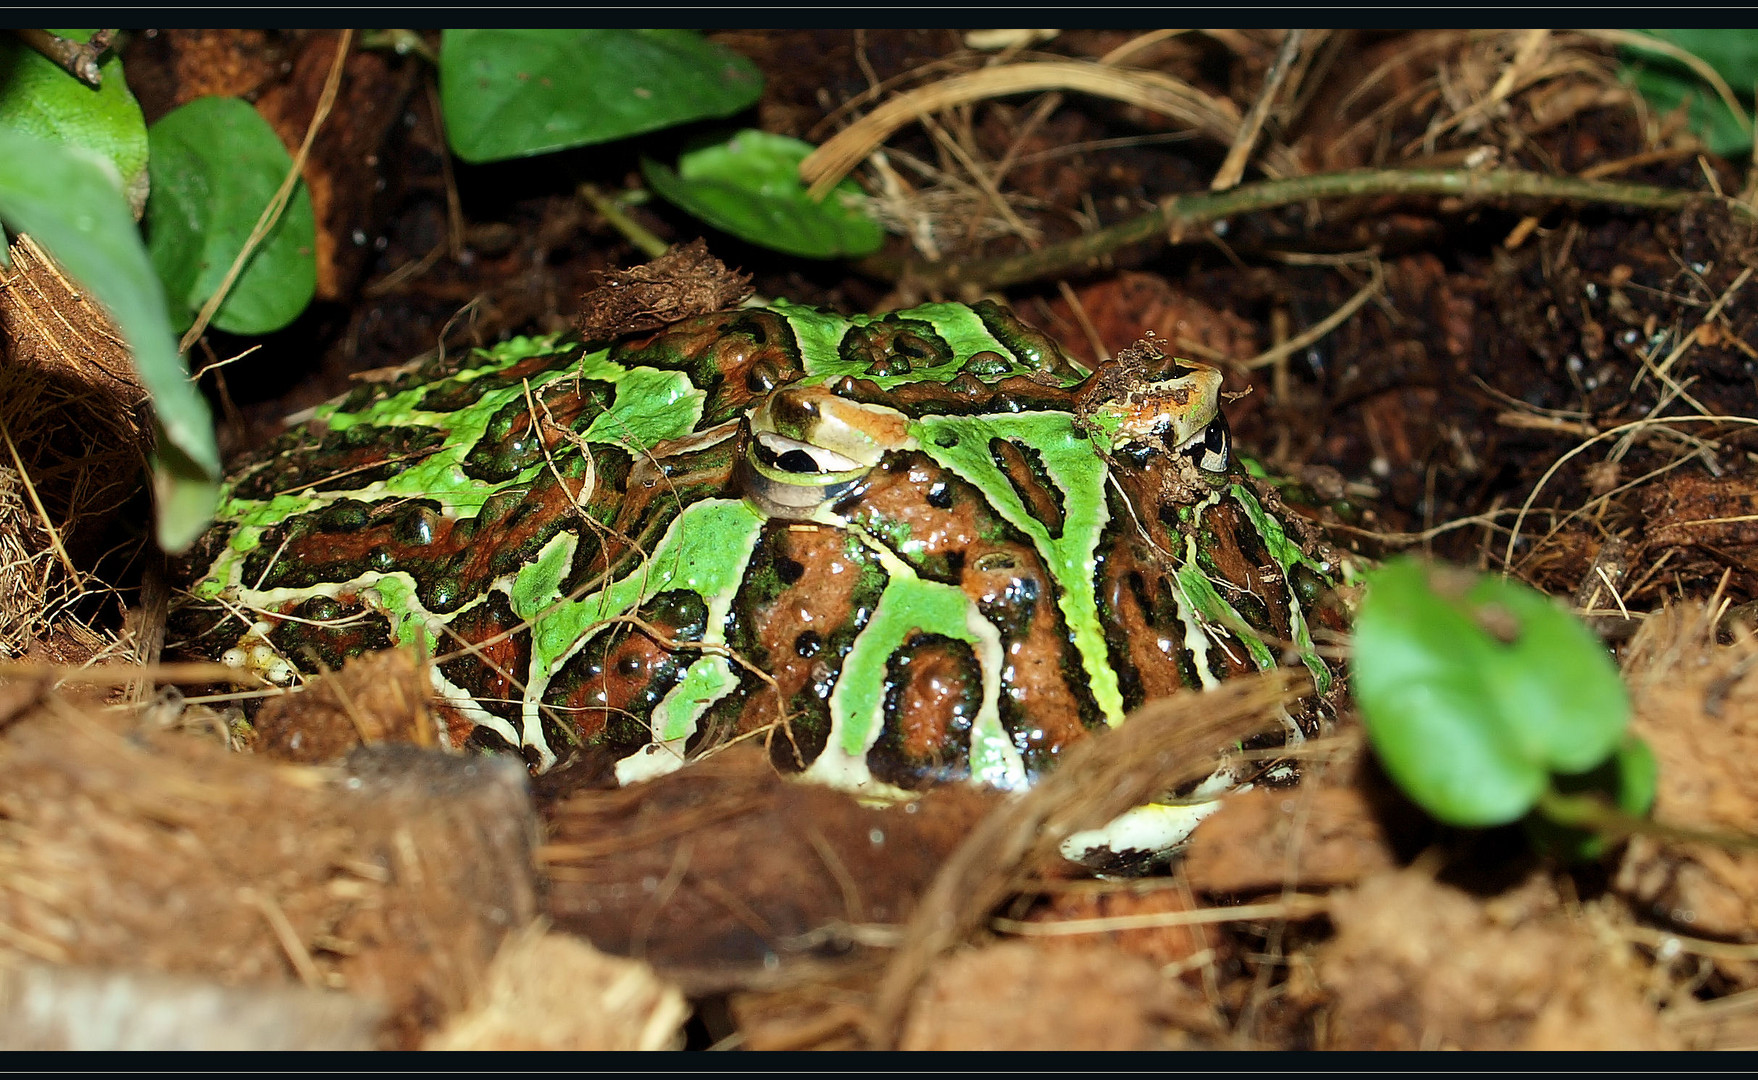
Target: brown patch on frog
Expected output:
[634,503]
[955,538]
[933,690]
[450,396]
[1030,346]
[319,633]
[895,346]
[448,557]
[454,560]
[1024,469]
[734,357]
[606,692]
[558,411]
[1139,551]
[684,282]
[1234,555]
[311,456]
[964,395]
[1144,631]
[809,590]
[489,650]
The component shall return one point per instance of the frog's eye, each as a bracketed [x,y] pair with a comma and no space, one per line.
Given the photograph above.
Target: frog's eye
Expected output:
[809,448]
[1213,451]
[784,455]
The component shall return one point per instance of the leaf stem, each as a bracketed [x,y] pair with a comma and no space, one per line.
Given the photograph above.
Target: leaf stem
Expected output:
[633,231]
[1594,813]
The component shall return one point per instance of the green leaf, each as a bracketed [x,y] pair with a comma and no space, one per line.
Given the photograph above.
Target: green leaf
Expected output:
[1665,89]
[184,496]
[1475,690]
[749,185]
[38,98]
[215,165]
[1732,53]
[1665,83]
[67,199]
[514,93]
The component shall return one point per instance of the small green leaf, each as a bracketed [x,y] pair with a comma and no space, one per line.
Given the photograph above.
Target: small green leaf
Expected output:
[215,165]
[184,496]
[513,93]
[1475,690]
[67,199]
[38,98]
[1732,53]
[749,185]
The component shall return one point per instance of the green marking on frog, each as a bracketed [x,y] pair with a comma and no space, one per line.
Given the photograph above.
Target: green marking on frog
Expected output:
[704,551]
[1069,459]
[651,406]
[1288,555]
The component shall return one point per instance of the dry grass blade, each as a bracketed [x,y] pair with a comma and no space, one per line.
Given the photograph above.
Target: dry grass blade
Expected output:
[120,674]
[1233,169]
[1292,906]
[1165,744]
[1216,117]
[1337,318]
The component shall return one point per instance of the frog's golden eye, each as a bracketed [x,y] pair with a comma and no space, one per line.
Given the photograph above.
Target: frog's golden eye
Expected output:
[1213,450]
[808,448]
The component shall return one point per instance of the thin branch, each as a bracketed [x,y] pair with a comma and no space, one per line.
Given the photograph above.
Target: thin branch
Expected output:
[78,58]
[1181,217]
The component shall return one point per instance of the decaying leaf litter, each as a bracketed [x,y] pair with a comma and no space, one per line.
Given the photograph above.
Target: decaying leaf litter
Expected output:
[1514,335]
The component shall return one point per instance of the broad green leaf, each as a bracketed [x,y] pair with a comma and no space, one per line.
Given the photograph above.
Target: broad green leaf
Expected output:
[1732,53]
[514,93]
[1666,88]
[1475,690]
[216,164]
[38,98]
[68,200]
[749,185]
[1665,83]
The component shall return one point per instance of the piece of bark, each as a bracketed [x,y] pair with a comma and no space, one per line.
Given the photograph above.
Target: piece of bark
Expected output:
[725,875]
[394,878]
[1024,996]
[1420,965]
[56,1008]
